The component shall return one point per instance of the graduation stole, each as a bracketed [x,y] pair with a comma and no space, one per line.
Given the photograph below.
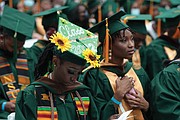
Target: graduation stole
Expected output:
[81,101]
[136,60]
[46,106]
[137,114]
[14,82]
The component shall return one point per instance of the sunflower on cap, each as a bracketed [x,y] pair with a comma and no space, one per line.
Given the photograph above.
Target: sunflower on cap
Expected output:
[81,43]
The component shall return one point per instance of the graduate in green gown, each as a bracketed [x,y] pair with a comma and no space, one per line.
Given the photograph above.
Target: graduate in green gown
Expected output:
[165,91]
[50,24]
[164,47]
[16,62]
[115,83]
[137,24]
[56,94]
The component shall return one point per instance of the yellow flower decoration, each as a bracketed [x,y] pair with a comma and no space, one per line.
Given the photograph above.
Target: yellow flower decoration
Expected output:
[60,41]
[91,58]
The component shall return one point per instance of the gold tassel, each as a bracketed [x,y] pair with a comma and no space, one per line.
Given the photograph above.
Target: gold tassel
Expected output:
[99,13]
[106,44]
[39,5]
[159,27]
[11,3]
[151,7]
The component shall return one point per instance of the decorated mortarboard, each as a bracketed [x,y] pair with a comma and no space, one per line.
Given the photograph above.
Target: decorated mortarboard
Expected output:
[75,44]
[137,22]
[106,28]
[170,18]
[18,24]
[51,16]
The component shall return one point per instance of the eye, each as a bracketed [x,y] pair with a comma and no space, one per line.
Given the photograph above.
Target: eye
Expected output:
[132,39]
[71,71]
[122,40]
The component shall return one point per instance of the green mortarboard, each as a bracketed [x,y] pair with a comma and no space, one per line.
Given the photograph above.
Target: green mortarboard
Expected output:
[14,21]
[75,41]
[114,25]
[155,2]
[170,18]
[71,6]
[137,22]
[93,3]
[109,6]
[51,17]
[175,2]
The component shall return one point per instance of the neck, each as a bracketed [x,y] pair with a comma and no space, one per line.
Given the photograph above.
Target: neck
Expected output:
[117,61]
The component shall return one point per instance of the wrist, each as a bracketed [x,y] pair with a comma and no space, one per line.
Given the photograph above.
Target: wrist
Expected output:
[115,100]
[3,106]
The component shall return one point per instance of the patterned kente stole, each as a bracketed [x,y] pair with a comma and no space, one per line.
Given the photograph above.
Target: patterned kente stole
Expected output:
[14,80]
[46,106]
[82,101]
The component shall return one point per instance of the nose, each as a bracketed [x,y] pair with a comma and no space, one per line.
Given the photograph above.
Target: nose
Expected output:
[131,43]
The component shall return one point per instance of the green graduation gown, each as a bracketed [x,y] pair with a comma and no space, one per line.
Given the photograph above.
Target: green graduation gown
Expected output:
[38,47]
[101,88]
[28,103]
[155,55]
[9,70]
[165,93]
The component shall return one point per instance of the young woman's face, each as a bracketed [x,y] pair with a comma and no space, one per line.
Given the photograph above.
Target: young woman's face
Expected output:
[123,45]
[66,72]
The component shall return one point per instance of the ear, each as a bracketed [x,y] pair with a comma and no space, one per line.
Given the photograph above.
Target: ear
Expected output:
[54,60]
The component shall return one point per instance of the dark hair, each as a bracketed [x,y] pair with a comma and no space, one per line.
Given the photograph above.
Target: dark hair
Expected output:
[44,62]
[118,33]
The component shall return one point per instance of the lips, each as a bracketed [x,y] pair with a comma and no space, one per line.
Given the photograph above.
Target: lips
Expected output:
[131,52]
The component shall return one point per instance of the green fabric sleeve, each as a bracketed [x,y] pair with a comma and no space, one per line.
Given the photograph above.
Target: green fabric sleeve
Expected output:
[3,98]
[26,105]
[155,56]
[99,83]
[165,94]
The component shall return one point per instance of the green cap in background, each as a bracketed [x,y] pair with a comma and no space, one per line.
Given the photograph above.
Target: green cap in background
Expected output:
[92,4]
[75,44]
[137,22]
[51,17]
[114,25]
[109,6]
[155,2]
[14,21]
[170,18]
[71,6]
[175,2]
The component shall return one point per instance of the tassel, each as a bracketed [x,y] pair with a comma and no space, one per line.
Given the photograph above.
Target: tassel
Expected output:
[151,7]
[39,5]
[99,13]
[159,27]
[11,3]
[106,44]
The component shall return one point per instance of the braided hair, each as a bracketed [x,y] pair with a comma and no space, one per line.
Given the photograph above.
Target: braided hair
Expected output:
[45,62]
